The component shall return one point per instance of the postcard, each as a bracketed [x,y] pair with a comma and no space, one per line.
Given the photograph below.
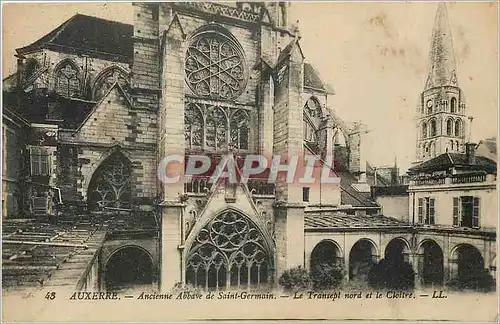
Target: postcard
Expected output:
[249,161]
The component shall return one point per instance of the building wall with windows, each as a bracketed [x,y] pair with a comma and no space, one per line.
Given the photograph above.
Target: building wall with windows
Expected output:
[445,210]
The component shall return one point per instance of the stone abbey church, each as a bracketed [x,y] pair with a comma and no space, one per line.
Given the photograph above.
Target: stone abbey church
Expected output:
[96,104]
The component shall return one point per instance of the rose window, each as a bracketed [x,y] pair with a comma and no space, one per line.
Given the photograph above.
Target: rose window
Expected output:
[215,67]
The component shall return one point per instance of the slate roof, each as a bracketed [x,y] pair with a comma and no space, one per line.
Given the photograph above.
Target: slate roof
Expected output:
[89,34]
[447,160]
[26,264]
[313,80]
[332,220]
[488,148]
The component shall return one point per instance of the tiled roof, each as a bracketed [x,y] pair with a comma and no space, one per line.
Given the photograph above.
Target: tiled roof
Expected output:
[329,219]
[40,254]
[89,34]
[447,160]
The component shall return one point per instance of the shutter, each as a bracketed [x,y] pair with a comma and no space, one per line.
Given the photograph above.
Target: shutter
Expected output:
[35,161]
[420,210]
[44,162]
[475,212]
[456,204]
[431,211]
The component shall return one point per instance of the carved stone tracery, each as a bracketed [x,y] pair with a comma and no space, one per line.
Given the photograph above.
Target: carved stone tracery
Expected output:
[215,66]
[229,251]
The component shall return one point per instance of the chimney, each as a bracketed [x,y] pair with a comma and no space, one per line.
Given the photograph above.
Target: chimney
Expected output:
[470,152]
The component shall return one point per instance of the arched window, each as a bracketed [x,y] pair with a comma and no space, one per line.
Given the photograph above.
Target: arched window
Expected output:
[216,131]
[309,132]
[229,251]
[433,149]
[458,127]
[239,130]
[424,130]
[110,184]
[449,127]
[433,128]
[215,65]
[67,79]
[452,145]
[193,127]
[107,79]
[457,145]
[453,105]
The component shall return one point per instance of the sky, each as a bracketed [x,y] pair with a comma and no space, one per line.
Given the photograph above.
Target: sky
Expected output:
[373,54]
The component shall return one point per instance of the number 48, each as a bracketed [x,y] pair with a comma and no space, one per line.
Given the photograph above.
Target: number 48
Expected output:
[50,295]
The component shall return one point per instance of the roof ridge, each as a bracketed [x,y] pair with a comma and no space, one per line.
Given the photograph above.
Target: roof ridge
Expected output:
[103,19]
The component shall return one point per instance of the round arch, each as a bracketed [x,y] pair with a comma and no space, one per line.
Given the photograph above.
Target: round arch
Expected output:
[362,257]
[433,127]
[431,262]
[469,263]
[129,266]
[398,247]
[326,251]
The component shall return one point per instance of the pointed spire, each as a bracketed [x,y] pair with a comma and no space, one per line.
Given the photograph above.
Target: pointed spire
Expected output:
[442,66]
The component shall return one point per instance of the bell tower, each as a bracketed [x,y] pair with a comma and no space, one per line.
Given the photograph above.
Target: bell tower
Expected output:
[441,110]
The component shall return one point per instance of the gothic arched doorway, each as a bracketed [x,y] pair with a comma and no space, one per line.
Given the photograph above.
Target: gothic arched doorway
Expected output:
[110,184]
[432,263]
[129,267]
[228,251]
[362,257]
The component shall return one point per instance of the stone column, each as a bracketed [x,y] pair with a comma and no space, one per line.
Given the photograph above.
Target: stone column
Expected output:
[418,266]
[289,222]
[452,269]
[171,253]
[346,265]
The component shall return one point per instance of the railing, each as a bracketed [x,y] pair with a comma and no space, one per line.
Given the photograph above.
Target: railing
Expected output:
[453,179]
[429,181]
[260,187]
[468,178]
[197,185]
[201,185]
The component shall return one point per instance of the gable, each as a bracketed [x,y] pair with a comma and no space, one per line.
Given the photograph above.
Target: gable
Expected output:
[109,121]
